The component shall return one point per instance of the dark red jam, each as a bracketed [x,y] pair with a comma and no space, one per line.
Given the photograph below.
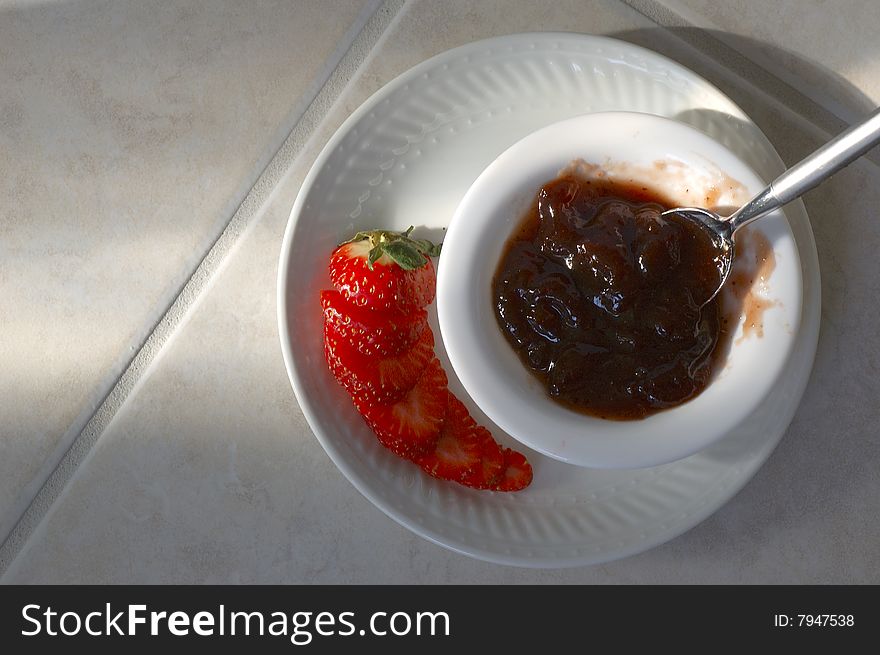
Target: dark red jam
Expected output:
[596,294]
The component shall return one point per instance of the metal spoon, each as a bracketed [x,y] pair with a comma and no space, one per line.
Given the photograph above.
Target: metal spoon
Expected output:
[793,183]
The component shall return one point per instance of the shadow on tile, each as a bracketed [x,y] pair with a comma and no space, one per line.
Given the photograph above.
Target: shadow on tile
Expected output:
[745,56]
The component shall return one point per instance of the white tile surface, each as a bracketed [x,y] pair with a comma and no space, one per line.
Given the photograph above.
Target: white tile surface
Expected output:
[129,133]
[210,474]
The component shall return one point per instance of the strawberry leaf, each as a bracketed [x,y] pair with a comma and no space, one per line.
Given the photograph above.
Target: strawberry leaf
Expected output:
[405,254]
[427,248]
[375,253]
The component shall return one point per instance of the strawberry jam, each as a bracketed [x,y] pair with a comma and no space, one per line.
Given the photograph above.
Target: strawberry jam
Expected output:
[596,294]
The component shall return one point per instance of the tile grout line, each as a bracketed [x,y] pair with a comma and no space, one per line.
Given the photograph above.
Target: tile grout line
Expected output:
[746,70]
[671,13]
[702,39]
[105,384]
[381,15]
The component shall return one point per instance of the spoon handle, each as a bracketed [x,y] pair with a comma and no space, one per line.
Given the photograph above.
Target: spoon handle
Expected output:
[811,171]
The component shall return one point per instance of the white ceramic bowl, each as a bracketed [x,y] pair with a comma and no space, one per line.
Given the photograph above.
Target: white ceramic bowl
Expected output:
[686,166]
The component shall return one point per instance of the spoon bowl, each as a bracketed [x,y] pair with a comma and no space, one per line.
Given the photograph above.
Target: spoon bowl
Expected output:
[720,232]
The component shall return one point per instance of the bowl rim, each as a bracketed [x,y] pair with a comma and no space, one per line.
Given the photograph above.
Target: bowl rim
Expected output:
[614,444]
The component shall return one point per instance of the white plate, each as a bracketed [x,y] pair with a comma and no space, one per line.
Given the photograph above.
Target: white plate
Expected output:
[407,156]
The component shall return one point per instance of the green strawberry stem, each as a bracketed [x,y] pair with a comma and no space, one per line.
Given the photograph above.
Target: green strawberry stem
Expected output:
[407,253]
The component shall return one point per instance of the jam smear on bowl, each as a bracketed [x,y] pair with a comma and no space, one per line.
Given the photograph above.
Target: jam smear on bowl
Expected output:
[595,292]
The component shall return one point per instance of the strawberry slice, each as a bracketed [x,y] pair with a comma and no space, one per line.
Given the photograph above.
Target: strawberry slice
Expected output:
[517,472]
[377,379]
[372,333]
[331,342]
[458,452]
[488,473]
[384,271]
[466,453]
[412,425]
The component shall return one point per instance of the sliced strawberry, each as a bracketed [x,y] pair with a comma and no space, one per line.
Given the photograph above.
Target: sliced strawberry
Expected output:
[331,341]
[377,379]
[379,347]
[372,333]
[412,425]
[517,472]
[458,451]
[384,271]
[488,474]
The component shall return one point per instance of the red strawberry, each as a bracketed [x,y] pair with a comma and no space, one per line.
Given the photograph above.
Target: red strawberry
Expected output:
[372,333]
[376,379]
[457,453]
[517,472]
[331,342]
[378,345]
[466,453]
[488,474]
[412,425]
[383,270]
